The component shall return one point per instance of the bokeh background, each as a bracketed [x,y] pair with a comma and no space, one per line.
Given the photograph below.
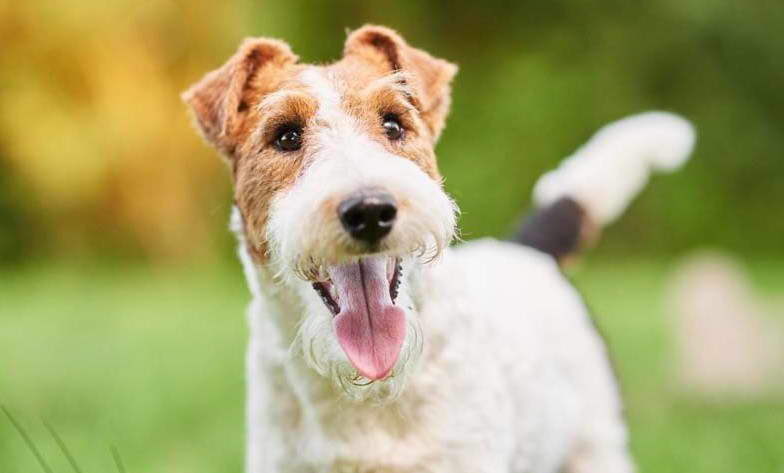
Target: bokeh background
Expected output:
[121,304]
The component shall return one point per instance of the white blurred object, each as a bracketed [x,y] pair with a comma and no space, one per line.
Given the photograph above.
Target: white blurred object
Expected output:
[607,172]
[726,344]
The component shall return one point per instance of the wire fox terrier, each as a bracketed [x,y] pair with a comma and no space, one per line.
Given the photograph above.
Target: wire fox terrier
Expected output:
[375,346]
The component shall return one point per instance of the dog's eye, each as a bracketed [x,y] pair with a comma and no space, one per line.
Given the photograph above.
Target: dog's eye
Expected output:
[392,127]
[289,139]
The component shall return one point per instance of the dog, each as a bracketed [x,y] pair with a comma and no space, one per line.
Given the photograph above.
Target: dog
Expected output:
[374,345]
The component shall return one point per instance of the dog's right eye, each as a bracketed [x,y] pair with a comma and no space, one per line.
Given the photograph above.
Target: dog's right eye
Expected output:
[289,139]
[392,127]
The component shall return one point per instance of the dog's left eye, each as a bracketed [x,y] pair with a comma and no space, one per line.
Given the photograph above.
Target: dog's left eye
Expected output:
[392,127]
[289,139]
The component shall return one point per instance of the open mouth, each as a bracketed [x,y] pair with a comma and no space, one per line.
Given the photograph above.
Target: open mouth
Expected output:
[331,297]
[370,327]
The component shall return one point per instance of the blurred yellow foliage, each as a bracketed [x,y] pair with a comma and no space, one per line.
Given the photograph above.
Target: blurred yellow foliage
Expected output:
[92,124]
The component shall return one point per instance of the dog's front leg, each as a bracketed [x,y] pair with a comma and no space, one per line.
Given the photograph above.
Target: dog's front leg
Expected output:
[264,414]
[601,457]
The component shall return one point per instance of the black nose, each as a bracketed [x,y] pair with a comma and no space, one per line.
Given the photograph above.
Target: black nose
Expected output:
[368,216]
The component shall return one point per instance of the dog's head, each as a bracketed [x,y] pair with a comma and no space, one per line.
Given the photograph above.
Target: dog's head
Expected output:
[337,185]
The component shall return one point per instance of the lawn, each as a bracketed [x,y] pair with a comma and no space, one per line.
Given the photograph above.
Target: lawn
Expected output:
[150,361]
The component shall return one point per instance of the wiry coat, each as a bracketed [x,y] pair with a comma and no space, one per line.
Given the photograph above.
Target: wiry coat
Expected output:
[513,378]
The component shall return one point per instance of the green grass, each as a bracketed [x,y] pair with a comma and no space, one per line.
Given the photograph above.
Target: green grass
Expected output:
[671,432]
[151,362]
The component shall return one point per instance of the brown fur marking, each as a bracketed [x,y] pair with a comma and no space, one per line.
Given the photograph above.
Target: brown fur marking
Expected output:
[431,76]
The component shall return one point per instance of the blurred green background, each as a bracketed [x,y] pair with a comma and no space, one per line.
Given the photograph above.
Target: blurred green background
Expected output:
[121,305]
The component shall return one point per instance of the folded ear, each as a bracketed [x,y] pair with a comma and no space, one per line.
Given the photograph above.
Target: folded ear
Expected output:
[431,76]
[221,100]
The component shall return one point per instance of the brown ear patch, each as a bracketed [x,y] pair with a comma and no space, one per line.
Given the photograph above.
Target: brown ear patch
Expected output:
[388,51]
[382,40]
[221,101]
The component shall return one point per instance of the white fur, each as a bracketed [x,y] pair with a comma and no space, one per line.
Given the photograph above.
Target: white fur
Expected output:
[501,370]
[513,378]
[606,173]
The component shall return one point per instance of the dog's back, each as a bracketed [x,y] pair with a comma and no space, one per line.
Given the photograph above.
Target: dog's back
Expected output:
[517,335]
[529,357]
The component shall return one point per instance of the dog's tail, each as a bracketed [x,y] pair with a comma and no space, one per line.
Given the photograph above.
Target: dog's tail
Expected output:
[592,187]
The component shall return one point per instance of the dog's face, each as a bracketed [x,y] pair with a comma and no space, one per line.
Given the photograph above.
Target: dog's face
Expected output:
[337,185]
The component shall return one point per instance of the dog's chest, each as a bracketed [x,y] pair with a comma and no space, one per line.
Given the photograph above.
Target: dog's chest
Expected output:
[342,437]
[431,438]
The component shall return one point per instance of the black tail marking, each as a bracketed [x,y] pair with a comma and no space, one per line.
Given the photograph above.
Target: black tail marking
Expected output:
[555,229]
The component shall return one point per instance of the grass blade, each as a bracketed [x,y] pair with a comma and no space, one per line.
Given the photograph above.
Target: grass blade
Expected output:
[117,459]
[27,439]
[62,446]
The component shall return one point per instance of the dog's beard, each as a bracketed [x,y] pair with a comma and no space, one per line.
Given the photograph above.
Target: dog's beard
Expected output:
[317,344]
[308,244]
[420,239]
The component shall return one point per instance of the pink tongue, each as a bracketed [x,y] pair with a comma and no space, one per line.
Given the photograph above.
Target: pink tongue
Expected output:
[369,327]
